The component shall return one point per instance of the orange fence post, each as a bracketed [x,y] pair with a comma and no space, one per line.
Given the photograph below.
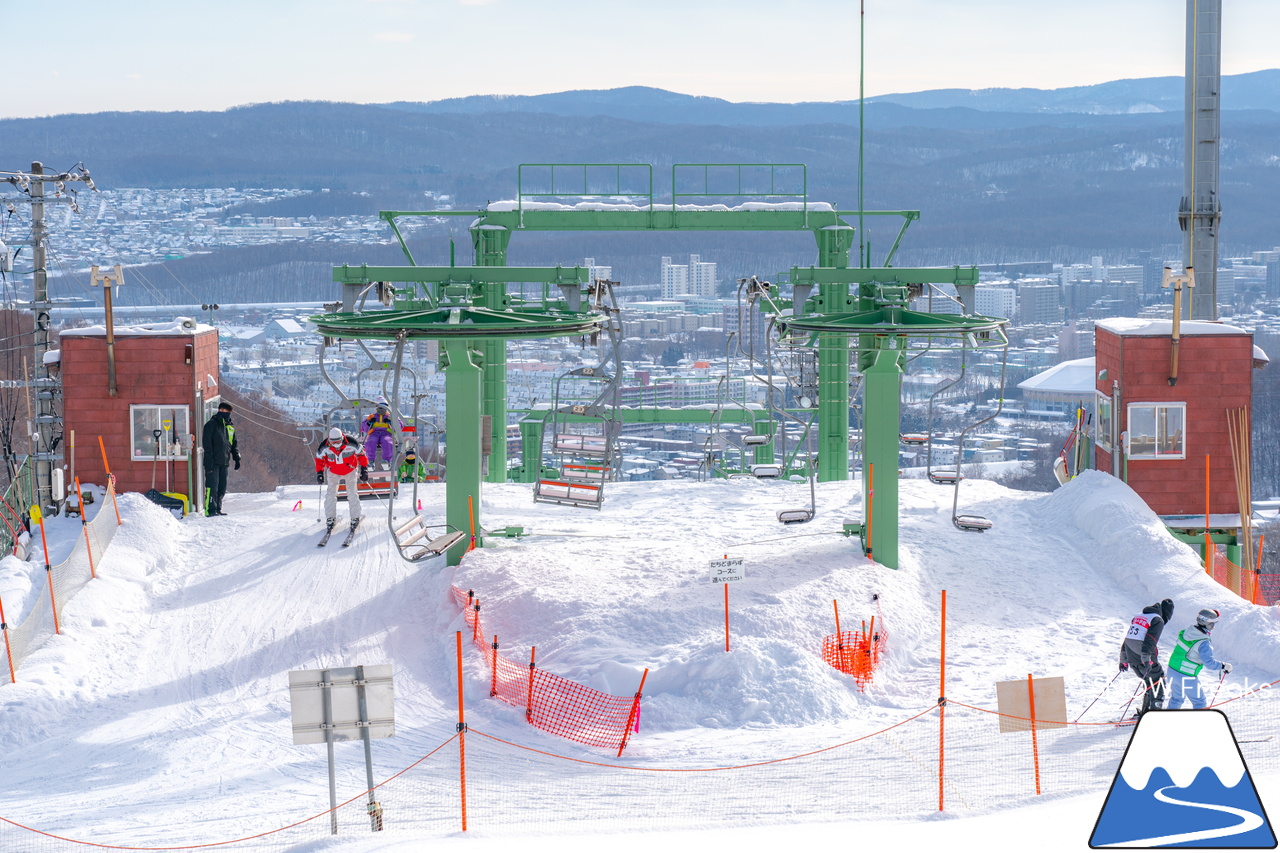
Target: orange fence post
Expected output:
[871,503]
[632,718]
[8,652]
[1208,541]
[493,686]
[88,547]
[726,616]
[462,739]
[528,702]
[942,700]
[110,481]
[38,516]
[475,626]
[471,511]
[1257,573]
[1035,746]
[839,638]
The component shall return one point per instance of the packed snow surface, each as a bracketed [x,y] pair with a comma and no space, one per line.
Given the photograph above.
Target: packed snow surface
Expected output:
[165,697]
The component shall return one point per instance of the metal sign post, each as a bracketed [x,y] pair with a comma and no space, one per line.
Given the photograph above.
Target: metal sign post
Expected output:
[341,704]
[725,572]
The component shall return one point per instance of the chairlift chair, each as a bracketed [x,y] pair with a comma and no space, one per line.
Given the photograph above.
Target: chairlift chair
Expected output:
[579,434]
[945,477]
[803,515]
[968,522]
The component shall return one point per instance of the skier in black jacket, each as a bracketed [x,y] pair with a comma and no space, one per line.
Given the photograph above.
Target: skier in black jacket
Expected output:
[219,441]
[1140,651]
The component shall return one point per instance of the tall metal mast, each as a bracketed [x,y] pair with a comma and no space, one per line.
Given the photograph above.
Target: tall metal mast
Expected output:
[1201,211]
[45,389]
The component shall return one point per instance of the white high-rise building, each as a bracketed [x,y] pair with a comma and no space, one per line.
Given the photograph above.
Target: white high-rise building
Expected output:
[697,278]
[702,278]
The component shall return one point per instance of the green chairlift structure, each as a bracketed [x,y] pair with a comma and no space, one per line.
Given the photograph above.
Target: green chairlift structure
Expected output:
[839,309]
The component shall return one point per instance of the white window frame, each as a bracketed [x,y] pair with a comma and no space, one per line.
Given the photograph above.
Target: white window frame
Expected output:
[1160,413]
[1102,434]
[149,417]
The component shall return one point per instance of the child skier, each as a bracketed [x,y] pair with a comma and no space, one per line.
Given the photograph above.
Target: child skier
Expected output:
[1140,651]
[1193,653]
[411,469]
[340,456]
[376,432]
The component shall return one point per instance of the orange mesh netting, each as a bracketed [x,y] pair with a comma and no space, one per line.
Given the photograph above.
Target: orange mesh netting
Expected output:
[1255,587]
[857,653]
[554,704]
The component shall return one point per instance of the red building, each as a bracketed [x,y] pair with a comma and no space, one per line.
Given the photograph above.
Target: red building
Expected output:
[166,383]
[1164,430]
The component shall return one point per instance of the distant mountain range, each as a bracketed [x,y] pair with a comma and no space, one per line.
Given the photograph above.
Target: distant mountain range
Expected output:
[1259,90]
[999,175]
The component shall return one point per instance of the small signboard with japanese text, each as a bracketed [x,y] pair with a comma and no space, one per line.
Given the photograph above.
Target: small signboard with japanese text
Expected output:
[727,570]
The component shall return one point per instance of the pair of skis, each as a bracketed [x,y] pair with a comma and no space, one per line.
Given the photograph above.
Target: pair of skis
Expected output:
[351,534]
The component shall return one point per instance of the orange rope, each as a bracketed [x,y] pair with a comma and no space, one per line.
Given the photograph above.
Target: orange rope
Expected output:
[247,837]
[701,769]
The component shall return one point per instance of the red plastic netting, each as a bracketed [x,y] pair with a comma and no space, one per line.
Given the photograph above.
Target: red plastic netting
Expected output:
[855,653]
[1255,587]
[554,704]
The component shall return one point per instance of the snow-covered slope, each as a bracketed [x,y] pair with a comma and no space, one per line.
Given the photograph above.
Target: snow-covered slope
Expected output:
[166,695]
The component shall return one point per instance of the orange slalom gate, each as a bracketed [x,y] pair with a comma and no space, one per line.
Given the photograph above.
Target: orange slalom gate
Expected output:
[553,704]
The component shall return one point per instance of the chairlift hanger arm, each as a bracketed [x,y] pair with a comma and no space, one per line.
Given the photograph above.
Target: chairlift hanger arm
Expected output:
[364,274]
[885,275]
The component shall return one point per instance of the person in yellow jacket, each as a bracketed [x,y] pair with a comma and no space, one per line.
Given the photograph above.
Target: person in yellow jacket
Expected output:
[1193,653]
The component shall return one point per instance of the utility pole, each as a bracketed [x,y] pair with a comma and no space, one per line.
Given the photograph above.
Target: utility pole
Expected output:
[45,389]
[1200,212]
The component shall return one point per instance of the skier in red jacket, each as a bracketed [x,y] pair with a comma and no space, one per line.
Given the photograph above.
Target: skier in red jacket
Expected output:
[341,457]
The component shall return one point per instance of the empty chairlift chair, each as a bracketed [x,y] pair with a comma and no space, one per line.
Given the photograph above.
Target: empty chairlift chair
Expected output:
[418,540]
[945,477]
[803,515]
[969,522]
[579,438]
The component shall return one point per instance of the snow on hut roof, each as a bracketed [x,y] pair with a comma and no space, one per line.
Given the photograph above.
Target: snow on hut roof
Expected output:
[1140,327]
[171,328]
[1078,376]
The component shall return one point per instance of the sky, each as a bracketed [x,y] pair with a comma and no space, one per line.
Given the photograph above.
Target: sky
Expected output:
[215,54]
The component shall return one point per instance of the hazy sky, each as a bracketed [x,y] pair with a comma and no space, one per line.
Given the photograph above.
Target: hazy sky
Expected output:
[97,55]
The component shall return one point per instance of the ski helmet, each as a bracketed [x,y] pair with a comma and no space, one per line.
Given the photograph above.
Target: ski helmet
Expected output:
[381,401]
[335,434]
[1207,618]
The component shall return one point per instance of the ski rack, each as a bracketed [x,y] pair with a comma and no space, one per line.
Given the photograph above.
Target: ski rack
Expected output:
[976,523]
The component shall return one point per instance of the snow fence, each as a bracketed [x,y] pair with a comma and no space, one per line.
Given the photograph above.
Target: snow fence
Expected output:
[64,580]
[557,705]
[951,758]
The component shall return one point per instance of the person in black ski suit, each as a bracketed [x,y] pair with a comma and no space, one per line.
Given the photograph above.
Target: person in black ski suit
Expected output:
[220,450]
[1140,651]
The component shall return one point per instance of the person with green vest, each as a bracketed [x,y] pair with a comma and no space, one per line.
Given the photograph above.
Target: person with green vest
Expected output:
[1193,653]
[411,469]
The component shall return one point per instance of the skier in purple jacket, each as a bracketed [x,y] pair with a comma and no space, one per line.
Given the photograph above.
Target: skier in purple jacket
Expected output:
[377,433]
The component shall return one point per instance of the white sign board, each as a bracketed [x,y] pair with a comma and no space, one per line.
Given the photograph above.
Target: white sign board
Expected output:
[727,570]
[307,689]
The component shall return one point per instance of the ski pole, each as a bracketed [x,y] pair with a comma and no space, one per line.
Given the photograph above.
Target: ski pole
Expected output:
[1099,696]
[1215,692]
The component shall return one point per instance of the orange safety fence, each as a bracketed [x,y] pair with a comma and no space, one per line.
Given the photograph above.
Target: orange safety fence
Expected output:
[518,790]
[1255,587]
[553,704]
[65,580]
[857,653]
